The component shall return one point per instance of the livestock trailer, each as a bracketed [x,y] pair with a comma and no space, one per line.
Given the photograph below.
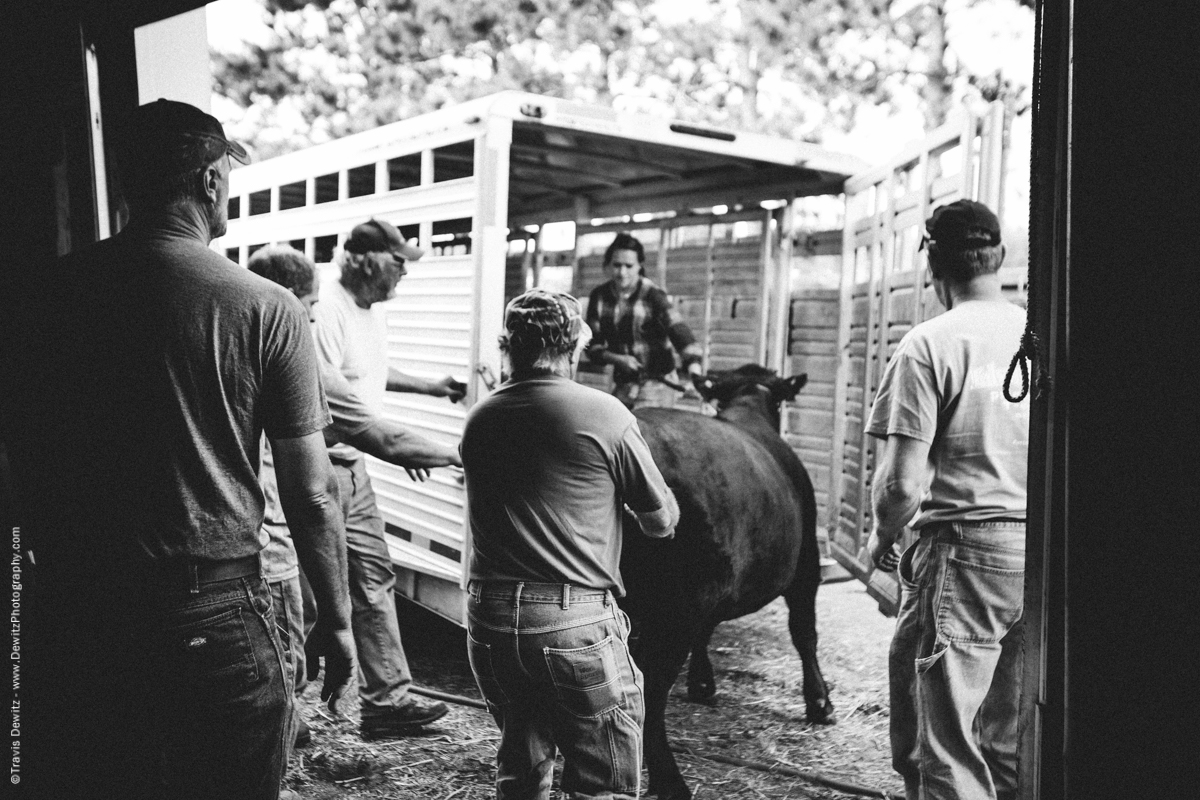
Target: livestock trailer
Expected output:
[723,217]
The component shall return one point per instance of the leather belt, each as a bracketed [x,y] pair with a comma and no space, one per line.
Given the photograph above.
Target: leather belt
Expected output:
[189,572]
[521,591]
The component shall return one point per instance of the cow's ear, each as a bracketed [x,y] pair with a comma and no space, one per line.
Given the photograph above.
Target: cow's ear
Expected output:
[790,387]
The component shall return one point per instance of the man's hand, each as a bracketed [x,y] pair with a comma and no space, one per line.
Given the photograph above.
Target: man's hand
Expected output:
[418,474]
[448,387]
[624,364]
[884,555]
[340,663]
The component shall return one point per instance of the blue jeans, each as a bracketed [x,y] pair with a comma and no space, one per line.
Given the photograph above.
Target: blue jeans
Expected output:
[955,662]
[558,673]
[222,698]
[383,673]
[287,600]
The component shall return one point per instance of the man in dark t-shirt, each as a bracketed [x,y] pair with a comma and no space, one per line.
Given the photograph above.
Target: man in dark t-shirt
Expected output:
[164,673]
[550,466]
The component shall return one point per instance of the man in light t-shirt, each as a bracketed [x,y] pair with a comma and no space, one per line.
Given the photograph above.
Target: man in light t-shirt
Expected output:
[353,423]
[954,467]
[351,337]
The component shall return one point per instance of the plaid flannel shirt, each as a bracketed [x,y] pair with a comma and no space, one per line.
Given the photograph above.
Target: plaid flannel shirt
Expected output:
[645,327]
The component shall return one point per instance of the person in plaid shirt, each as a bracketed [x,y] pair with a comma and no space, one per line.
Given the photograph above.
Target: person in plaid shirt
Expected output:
[636,328]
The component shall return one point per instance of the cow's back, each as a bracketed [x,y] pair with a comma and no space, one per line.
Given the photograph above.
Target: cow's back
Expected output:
[741,518]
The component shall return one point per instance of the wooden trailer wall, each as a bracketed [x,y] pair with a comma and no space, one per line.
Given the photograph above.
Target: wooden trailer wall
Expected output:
[808,421]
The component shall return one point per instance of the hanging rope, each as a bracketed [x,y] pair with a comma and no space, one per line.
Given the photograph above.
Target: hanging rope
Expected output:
[1032,352]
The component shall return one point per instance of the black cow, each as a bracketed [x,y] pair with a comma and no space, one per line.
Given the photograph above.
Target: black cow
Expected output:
[746,535]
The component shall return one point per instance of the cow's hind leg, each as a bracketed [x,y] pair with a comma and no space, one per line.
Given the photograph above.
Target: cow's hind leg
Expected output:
[701,681]
[801,598]
[660,654]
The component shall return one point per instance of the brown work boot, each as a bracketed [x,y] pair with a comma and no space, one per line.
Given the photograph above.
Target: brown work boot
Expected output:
[405,719]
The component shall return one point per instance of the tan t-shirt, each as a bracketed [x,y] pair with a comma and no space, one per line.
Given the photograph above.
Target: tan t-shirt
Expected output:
[944,386]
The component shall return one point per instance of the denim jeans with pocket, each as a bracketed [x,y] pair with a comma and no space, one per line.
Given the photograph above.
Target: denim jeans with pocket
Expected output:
[223,699]
[955,662]
[554,666]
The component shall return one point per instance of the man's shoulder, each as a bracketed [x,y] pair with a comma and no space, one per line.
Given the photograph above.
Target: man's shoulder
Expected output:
[560,396]
[601,291]
[335,303]
[653,293]
[989,316]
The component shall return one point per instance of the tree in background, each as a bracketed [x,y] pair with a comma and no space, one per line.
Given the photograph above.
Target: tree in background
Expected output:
[807,69]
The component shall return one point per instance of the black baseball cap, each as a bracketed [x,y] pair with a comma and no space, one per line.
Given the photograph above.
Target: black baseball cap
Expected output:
[380,236]
[170,138]
[963,225]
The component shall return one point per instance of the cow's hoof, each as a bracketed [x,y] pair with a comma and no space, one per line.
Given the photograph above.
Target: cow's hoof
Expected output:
[821,714]
[702,692]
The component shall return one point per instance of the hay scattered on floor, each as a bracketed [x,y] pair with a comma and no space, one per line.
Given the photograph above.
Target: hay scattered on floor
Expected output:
[758,716]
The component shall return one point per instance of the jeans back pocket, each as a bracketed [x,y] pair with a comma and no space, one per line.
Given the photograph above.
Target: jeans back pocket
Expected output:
[979,604]
[215,651]
[586,679]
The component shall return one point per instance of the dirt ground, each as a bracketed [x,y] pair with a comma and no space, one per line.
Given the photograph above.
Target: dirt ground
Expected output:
[758,716]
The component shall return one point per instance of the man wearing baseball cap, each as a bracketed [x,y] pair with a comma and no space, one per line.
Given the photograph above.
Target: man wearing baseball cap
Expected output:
[167,672]
[954,468]
[351,337]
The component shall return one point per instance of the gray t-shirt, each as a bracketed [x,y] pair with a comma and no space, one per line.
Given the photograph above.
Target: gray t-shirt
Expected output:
[182,360]
[944,386]
[549,464]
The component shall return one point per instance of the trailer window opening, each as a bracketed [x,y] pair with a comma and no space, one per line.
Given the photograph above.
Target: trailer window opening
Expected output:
[323,247]
[452,237]
[454,161]
[361,180]
[232,254]
[404,172]
[292,195]
[409,232]
[260,202]
[297,244]
[326,188]
[235,207]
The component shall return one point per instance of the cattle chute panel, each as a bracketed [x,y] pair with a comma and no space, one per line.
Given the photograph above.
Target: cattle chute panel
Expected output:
[885,290]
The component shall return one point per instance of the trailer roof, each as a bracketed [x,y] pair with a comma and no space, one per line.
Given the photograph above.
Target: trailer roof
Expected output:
[571,161]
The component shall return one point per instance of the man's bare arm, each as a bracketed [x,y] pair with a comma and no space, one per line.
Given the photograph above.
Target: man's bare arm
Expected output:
[900,482]
[398,445]
[398,381]
[308,492]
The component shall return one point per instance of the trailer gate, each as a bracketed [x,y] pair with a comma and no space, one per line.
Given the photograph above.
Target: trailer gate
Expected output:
[885,290]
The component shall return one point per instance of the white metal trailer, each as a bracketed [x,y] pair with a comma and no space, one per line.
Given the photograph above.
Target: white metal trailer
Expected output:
[467,179]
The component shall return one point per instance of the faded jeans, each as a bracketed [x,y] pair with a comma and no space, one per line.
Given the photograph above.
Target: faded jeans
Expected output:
[383,673]
[557,673]
[955,662]
[223,706]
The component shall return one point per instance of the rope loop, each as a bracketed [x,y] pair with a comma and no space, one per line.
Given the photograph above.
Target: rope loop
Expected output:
[1022,360]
